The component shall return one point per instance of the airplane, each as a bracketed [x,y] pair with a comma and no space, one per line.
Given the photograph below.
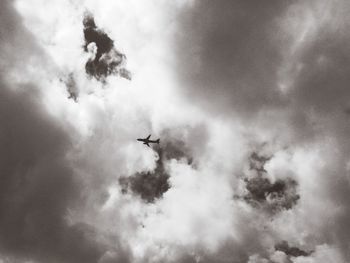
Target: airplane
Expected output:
[147,141]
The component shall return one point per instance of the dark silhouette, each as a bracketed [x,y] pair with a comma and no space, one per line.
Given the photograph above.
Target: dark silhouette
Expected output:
[147,141]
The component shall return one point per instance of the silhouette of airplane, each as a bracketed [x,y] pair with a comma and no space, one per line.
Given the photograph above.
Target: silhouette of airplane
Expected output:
[147,141]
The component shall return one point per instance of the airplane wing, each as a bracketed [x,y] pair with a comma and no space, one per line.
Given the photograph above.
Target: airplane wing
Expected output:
[146,144]
[148,137]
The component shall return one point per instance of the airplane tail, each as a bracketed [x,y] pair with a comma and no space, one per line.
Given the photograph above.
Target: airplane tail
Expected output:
[157,141]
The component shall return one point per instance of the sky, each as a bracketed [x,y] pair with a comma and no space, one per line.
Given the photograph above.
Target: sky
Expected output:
[250,100]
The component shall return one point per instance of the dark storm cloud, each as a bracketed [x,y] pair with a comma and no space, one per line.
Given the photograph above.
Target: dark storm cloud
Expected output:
[274,197]
[230,55]
[225,53]
[150,186]
[185,143]
[290,250]
[175,149]
[37,182]
[261,193]
[106,59]
[37,185]
[323,81]
[257,162]
[322,88]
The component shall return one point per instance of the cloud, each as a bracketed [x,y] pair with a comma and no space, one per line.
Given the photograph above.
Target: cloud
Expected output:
[226,54]
[248,100]
[290,251]
[38,181]
[38,185]
[151,185]
[283,65]
[106,60]
[275,196]
[72,88]
[148,185]
[281,72]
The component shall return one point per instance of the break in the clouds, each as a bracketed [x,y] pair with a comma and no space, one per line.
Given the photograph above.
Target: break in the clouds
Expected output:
[250,101]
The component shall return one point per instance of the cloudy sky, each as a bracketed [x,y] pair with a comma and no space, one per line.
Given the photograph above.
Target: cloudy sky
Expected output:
[250,100]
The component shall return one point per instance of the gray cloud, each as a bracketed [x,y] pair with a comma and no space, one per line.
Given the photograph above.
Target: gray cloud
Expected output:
[257,162]
[274,197]
[273,74]
[106,59]
[290,250]
[225,53]
[37,185]
[231,55]
[284,64]
[150,186]
[261,193]
[15,39]
[72,89]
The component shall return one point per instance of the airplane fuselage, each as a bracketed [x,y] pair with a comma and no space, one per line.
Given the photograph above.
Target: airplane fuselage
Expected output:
[147,141]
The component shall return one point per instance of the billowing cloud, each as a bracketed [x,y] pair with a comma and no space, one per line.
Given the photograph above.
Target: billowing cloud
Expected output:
[262,193]
[38,186]
[148,185]
[249,100]
[106,60]
[282,71]
[291,251]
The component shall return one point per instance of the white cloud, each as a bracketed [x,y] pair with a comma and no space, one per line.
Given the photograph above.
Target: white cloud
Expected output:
[198,213]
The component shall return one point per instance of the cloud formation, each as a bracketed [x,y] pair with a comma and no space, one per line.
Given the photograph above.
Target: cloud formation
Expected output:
[106,60]
[38,185]
[148,185]
[250,101]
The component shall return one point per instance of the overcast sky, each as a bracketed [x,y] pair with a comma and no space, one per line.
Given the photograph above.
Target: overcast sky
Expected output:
[250,100]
